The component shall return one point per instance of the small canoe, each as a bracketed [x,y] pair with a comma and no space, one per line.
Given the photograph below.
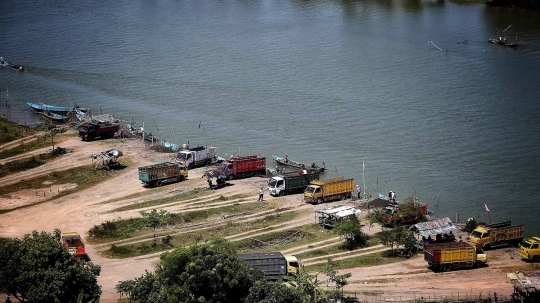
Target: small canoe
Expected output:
[291,163]
[53,116]
[39,107]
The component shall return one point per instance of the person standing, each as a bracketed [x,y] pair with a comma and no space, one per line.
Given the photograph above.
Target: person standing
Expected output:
[261,194]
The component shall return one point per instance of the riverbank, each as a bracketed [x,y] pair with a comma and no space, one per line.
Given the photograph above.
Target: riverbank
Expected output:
[120,195]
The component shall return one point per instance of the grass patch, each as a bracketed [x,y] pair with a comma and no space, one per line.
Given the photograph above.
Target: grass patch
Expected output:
[23,164]
[284,239]
[30,146]
[359,261]
[84,177]
[185,239]
[337,248]
[10,131]
[176,198]
[126,228]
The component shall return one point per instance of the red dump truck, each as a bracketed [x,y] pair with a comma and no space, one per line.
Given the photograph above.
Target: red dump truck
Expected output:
[240,167]
[74,244]
[91,131]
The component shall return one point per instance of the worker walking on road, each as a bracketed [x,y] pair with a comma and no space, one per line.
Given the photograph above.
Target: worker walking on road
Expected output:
[261,194]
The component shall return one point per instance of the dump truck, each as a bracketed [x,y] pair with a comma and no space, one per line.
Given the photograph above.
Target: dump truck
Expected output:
[530,250]
[404,214]
[319,191]
[197,156]
[497,235]
[241,167]
[451,255]
[91,131]
[159,174]
[290,183]
[275,265]
[74,244]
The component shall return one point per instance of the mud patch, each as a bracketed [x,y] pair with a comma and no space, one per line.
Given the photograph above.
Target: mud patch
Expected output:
[31,196]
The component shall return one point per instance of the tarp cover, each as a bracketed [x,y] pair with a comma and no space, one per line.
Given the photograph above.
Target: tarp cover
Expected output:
[439,226]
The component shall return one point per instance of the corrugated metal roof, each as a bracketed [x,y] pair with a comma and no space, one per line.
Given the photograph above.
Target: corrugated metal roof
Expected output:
[439,226]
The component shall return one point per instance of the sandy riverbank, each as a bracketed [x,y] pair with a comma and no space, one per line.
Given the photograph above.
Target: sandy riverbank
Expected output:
[82,209]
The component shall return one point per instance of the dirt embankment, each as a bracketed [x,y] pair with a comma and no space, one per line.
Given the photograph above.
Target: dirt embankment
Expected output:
[82,209]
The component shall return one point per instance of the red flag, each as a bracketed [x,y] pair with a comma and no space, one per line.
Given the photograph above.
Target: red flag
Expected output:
[487,209]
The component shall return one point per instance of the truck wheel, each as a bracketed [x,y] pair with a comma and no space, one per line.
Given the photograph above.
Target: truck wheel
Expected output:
[320,200]
[446,267]
[342,197]
[487,247]
[282,193]
[231,177]
[159,183]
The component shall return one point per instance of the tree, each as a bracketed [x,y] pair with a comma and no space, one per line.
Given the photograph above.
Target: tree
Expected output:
[273,292]
[332,273]
[37,268]
[351,230]
[51,133]
[393,237]
[308,285]
[200,273]
[154,219]
[470,225]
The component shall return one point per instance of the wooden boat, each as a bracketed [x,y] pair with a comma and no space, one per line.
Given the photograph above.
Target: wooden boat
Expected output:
[16,67]
[53,116]
[39,107]
[288,162]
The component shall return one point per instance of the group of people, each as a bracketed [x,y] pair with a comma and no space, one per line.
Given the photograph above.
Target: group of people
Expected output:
[439,238]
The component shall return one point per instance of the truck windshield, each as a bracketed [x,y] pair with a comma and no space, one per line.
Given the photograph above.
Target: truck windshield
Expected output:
[310,189]
[476,234]
[183,156]
[294,264]
[271,183]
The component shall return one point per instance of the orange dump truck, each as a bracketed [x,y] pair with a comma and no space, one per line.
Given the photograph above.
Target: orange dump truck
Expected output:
[74,244]
[320,191]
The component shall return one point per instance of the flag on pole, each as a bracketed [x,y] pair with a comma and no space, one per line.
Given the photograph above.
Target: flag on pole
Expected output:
[487,209]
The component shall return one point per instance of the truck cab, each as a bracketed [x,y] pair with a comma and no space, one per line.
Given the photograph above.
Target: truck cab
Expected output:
[294,266]
[479,236]
[313,193]
[530,249]
[276,185]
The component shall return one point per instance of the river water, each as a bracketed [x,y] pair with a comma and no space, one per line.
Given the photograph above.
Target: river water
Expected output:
[344,82]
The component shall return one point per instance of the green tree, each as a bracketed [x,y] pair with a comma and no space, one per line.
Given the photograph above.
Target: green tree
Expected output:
[273,292]
[37,268]
[200,273]
[393,237]
[470,225]
[155,219]
[351,230]
[332,273]
[51,133]
[308,286]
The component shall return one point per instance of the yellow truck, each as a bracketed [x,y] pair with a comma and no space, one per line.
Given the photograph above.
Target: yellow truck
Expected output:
[274,265]
[497,235]
[447,256]
[319,191]
[530,250]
